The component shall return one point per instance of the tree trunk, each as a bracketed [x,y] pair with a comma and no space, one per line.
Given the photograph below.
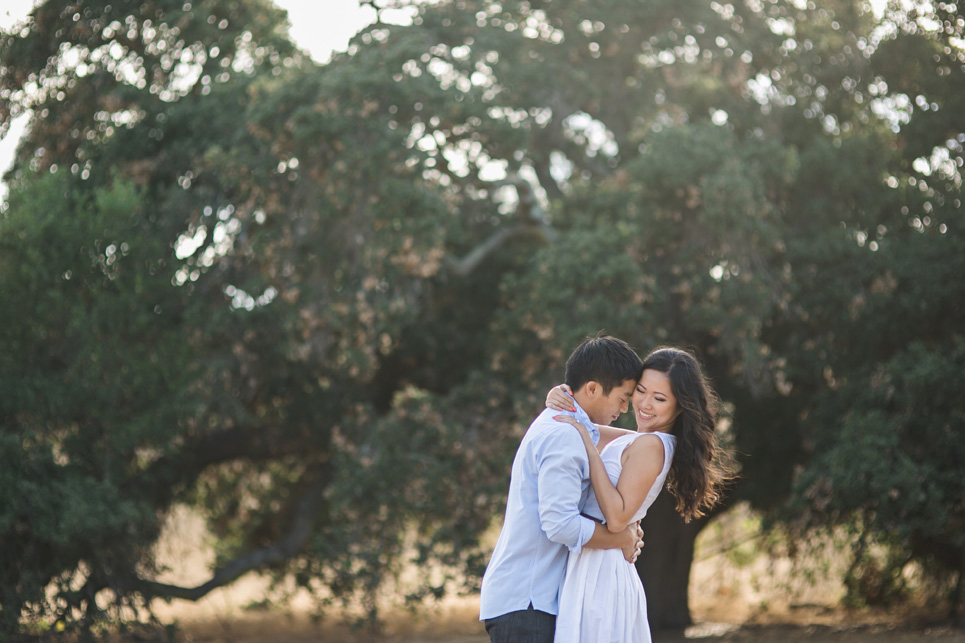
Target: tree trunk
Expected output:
[664,563]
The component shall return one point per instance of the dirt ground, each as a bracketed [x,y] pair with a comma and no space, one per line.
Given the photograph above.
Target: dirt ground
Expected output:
[454,620]
[459,626]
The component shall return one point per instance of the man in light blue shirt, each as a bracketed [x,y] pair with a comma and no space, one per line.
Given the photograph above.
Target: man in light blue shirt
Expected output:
[549,484]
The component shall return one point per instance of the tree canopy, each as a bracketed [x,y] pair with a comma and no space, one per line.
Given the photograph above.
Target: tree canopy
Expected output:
[320,303]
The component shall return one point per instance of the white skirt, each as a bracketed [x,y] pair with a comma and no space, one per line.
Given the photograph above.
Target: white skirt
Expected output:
[602,600]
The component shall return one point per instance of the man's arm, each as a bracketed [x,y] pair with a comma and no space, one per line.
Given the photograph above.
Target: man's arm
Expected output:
[561,468]
[561,464]
[610,433]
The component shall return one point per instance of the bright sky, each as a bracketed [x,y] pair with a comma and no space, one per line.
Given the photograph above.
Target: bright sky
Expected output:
[319,27]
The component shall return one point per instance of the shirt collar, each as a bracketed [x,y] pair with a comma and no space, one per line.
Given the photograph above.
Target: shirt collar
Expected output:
[590,425]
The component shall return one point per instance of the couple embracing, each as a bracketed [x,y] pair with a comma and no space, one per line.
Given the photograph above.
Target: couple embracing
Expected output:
[562,569]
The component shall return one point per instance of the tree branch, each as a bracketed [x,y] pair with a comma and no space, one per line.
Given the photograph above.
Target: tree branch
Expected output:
[530,215]
[290,545]
[463,267]
[252,442]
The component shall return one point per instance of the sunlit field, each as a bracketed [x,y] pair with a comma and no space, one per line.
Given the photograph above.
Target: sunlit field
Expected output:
[739,592]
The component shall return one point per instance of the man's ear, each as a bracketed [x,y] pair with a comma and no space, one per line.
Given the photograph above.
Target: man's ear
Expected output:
[592,389]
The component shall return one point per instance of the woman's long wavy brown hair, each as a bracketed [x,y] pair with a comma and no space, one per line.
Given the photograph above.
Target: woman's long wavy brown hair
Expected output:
[698,474]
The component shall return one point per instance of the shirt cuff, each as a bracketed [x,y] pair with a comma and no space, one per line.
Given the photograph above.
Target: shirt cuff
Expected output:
[587,527]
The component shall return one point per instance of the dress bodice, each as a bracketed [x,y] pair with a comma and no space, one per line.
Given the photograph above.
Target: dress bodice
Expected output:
[612,456]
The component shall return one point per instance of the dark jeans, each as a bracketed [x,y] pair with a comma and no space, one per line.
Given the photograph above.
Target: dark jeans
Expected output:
[524,626]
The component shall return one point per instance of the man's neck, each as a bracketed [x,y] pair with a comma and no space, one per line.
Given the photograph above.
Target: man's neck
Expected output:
[582,400]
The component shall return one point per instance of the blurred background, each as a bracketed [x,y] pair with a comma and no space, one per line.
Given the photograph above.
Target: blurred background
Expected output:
[282,285]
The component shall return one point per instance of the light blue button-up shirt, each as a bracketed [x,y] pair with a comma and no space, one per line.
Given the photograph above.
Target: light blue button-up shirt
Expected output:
[548,487]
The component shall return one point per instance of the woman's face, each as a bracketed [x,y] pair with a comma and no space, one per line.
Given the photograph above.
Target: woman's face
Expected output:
[654,404]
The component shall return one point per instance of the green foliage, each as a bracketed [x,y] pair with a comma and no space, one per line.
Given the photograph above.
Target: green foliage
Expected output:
[892,464]
[319,303]
[86,392]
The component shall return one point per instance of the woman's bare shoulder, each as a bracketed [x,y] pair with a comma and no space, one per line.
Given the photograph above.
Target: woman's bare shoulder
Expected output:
[646,447]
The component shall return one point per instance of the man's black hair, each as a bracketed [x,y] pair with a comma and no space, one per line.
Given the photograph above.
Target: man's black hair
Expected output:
[603,359]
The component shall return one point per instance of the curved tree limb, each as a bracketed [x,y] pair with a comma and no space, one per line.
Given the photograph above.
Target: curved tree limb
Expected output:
[530,216]
[464,267]
[253,442]
[290,545]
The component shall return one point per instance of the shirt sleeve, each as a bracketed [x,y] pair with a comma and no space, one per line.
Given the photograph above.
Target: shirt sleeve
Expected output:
[562,466]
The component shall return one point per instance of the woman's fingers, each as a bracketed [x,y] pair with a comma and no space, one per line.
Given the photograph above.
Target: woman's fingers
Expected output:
[558,400]
[569,420]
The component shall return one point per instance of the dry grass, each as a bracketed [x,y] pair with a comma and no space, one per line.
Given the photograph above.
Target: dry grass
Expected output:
[737,595]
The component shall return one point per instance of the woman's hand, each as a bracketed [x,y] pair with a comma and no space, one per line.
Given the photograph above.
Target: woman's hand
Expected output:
[579,426]
[560,398]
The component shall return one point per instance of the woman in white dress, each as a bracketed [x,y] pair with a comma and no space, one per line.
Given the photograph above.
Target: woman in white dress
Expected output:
[602,599]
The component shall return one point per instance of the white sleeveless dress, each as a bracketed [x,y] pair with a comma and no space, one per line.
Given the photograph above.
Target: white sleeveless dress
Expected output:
[602,598]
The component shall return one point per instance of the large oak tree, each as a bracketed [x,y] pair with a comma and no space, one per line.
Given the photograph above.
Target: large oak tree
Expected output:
[321,303]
